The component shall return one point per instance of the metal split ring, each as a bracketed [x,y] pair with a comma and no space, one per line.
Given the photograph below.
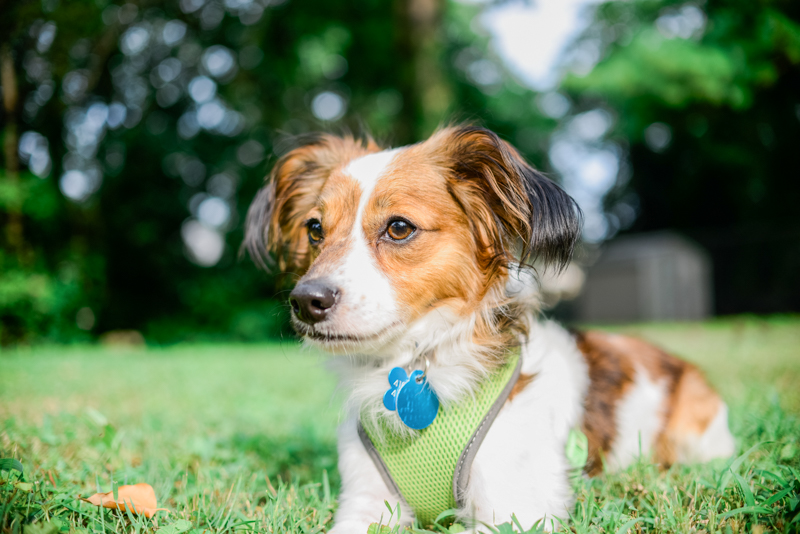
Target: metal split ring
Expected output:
[421,377]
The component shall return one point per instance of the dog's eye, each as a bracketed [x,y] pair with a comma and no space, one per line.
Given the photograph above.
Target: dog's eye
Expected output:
[400,229]
[314,231]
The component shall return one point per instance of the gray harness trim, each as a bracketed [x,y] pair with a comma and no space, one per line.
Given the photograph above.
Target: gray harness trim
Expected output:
[378,461]
[464,465]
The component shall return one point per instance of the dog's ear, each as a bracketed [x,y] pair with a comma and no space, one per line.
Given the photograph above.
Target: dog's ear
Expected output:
[256,226]
[275,224]
[517,213]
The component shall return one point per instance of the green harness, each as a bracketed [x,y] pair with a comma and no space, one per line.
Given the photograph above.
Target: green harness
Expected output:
[430,471]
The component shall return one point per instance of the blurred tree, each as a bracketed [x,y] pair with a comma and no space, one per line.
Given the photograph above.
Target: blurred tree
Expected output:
[8,80]
[145,128]
[136,133]
[39,291]
[707,102]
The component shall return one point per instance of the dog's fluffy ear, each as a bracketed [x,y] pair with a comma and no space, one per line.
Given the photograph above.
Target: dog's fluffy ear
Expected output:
[275,226]
[517,213]
[256,226]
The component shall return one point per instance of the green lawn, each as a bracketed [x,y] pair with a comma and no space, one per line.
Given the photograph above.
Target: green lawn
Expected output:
[242,437]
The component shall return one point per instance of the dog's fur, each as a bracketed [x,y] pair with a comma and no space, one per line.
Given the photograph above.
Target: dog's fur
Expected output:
[460,290]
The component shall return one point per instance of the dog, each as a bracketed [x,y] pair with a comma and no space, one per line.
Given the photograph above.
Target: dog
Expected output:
[421,258]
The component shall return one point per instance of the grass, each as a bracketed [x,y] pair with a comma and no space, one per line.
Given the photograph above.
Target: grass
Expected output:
[242,438]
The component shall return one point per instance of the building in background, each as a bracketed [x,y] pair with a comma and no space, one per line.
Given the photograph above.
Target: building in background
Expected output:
[648,277]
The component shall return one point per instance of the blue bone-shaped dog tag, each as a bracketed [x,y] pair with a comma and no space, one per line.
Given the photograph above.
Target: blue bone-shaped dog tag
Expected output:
[397,377]
[412,397]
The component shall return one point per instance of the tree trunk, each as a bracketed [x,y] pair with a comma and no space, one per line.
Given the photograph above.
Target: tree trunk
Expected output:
[429,94]
[8,81]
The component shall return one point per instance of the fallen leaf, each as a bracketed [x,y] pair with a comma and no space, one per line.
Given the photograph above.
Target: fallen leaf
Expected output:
[138,498]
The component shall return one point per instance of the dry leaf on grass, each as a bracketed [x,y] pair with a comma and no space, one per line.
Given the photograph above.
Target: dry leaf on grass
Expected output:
[138,498]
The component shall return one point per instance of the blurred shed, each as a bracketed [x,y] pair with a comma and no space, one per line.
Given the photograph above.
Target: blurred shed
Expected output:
[648,277]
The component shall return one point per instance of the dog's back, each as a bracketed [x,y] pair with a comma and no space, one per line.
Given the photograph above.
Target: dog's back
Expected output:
[642,399]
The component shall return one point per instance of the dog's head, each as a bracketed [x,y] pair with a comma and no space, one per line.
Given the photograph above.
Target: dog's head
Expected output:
[382,238]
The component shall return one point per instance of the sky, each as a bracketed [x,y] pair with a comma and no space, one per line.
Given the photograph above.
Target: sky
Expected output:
[532,36]
[532,39]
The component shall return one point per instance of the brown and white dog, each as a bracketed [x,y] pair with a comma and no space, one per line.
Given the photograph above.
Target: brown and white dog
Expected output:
[425,249]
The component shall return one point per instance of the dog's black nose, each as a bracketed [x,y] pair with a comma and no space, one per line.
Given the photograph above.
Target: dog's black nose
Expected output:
[312,300]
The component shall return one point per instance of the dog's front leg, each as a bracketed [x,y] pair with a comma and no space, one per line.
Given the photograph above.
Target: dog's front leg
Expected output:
[361,501]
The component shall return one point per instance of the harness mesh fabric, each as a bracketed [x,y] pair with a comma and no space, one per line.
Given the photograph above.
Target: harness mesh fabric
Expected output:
[432,468]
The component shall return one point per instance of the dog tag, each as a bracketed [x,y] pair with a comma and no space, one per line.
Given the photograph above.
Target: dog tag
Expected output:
[397,377]
[417,404]
[412,397]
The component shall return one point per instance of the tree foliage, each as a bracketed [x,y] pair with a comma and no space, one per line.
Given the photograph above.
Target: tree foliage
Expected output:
[147,127]
[707,104]
[136,133]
